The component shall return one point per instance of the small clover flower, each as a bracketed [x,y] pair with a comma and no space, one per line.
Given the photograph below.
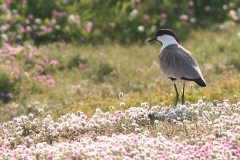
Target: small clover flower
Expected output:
[40,110]
[112,108]
[122,104]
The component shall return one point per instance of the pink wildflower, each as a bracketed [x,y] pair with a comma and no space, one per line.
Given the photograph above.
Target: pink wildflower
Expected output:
[49,157]
[7,46]
[164,15]
[61,14]
[140,69]
[44,77]
[54,63]
[20,48]
[36,54]
[4,6]
[34,27]
[15,72]
[89,26]
[4,55]
[45,59]
[50,83]
[9,1]
[54,12]
[53,22]
[26,74]
[135,140]
[191,3]
[40,68]
[9,67]
[184,17]
[22,29]
[234,17]
[146,17]
[76,154]
[28,57]
[31,16]
[49,30]
[77,16]
[8,61]
[27,21]
[9,95]
[112,24]
[81,65]
[12,58]
[41,49]
[48,76]
[60,44]
[30,47]
[43,63]
[43,28]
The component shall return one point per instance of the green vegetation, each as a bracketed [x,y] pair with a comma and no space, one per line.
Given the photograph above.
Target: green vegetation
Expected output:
[65,78]
[79,81]
[98,22]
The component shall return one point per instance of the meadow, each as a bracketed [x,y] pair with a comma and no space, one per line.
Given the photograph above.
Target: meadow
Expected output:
[79,81]
[111,101]
[64,78]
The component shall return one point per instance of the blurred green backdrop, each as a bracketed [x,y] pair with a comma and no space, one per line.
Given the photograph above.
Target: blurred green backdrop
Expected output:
[98,21]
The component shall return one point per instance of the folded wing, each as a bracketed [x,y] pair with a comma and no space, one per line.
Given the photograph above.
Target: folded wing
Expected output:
[177,62]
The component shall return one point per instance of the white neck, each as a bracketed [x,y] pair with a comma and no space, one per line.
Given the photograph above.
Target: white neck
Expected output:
[166,40]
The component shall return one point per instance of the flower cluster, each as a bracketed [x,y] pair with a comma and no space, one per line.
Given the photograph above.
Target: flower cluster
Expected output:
[18,73]
[180,113]
[20,27]
[136,146]
[214,134]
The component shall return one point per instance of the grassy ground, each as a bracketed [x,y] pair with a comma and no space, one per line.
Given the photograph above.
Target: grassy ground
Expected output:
[93,76]
[76,111]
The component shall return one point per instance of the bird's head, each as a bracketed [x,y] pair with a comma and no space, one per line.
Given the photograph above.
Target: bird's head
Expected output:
[164,36]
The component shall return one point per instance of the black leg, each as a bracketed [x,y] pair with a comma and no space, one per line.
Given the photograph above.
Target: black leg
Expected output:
[177,95]
[183,93]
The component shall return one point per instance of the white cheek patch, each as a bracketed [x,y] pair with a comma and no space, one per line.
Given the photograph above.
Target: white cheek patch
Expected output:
[159,38]
[166,40]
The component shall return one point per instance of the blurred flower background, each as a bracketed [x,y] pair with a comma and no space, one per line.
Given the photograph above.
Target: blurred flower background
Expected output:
[97,22]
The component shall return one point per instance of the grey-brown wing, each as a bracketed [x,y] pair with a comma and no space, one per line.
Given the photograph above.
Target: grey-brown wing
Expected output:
[177,62]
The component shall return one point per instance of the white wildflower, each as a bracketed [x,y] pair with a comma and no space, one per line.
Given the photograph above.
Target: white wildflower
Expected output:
[38,20]
[122,104]
[133,14]
[111,107]
[40,110]
[141,28]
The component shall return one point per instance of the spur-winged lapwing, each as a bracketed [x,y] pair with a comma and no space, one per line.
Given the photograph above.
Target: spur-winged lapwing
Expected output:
[176,62]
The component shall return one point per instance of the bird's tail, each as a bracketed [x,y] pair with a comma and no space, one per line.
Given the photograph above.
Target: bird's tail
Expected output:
[200,81]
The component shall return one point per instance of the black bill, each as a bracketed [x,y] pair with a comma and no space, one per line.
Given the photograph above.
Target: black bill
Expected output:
[152,39]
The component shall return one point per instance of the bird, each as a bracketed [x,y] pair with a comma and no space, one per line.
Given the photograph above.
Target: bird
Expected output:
[176,62]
